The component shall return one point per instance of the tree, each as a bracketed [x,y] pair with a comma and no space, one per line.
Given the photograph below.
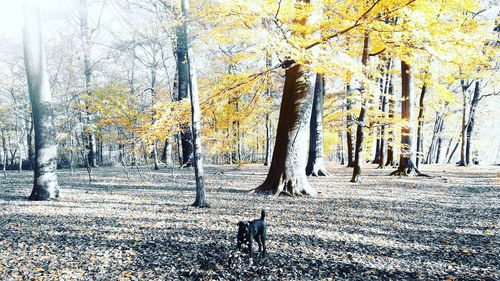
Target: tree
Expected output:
[390,138]
[420,134]
[183,87]
[200,201]
[407,157]
[45,184]
[315,163]
[287,173]
[358,151]
[86,38]
[348,106]
[385,81]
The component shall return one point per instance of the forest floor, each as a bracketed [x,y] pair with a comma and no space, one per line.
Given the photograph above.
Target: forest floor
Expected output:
[445,227]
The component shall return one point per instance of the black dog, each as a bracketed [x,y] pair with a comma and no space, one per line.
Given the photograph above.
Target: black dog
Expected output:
[255,229]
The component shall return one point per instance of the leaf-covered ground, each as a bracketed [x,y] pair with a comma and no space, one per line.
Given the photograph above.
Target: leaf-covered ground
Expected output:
[445,227]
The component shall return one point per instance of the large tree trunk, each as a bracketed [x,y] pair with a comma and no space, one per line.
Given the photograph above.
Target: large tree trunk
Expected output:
[183,87]
[470,126]
[89,131]
[316,164]
[359,155]
[45,184]
[420,129]
[407,158]
[192,84]
[348,107]
[287,173]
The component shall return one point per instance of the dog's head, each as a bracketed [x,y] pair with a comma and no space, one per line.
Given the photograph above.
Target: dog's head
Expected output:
[243,227]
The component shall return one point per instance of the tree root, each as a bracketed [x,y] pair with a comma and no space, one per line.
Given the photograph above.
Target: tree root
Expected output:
[294,187]
[408,172]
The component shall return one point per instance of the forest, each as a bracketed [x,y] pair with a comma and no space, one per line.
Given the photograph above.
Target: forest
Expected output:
[249,140]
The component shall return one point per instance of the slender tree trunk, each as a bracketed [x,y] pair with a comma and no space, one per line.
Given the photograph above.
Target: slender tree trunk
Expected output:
[390,139]
[420,134]
[383,128]
[268,140]
[470,126]
[4,154]
[341,146]
[350,152]
[268,118]
[376,157]
[90,134]
[45,184]
[439,138]
[153,100]
[29,141]
[316,164]
[407,158]
[359,155]
[430,153]
[453,152]
[20,164]
[438,149]
[464,123]
[382,156]
[183,87]
[200,200]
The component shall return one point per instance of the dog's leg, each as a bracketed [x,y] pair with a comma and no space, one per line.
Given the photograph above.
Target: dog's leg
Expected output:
[250,238]
[259,239]
[263,240]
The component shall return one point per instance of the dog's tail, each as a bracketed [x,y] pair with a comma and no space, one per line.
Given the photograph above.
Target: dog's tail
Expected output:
[262,214]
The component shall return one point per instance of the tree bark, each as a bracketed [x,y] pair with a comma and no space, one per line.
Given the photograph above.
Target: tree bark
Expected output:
[420,134]
[183,87]
[192,84]
[359,155]
[167,153]
[430,152]
[268,118]
[45,184]
[316,164]
[383,128]
[390,138]
[407,158]
[350,152]
[287,173]
[465,88]
[4,154]
[29,141]
[450,157]
[470,126]
[90,134]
